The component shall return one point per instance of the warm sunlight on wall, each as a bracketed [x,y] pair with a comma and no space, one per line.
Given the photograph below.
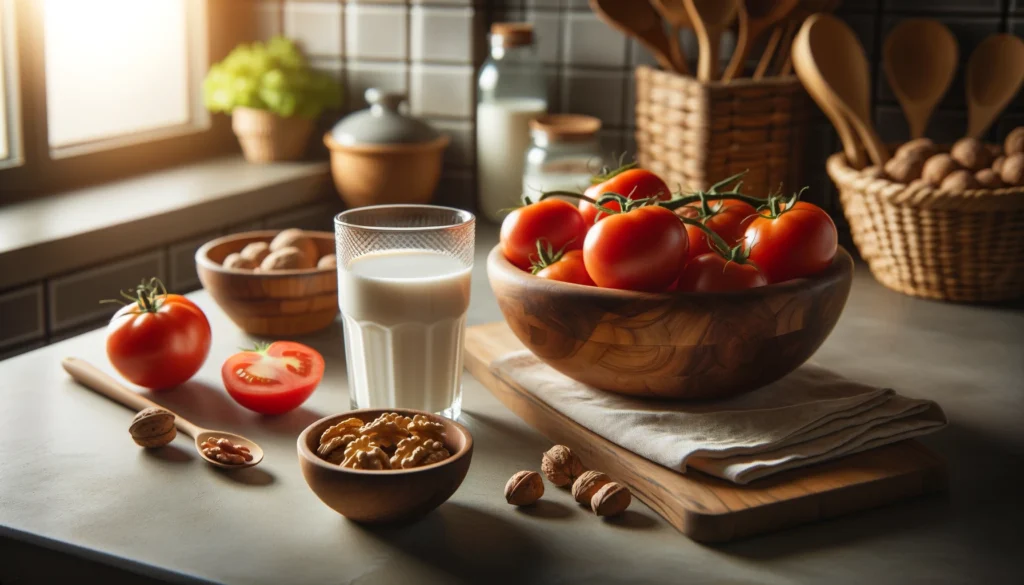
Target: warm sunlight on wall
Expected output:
[115,67]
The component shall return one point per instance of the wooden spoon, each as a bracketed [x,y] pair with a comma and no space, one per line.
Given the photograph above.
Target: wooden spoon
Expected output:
[640,21]
[780,44]
[710,18]
[675,15]
[89,376]
[804,66]
[756,17]
[837,67]
[994,74]
[919,57]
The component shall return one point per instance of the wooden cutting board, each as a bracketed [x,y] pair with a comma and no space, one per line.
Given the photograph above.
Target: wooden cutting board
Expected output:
[706,508]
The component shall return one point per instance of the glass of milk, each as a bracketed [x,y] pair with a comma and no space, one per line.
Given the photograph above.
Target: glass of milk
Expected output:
[403,289]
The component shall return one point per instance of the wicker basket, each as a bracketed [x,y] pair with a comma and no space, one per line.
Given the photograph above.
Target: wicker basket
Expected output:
[695,134]
[935,244]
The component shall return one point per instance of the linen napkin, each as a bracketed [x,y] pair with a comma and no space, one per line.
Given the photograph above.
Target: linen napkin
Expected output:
[809,416]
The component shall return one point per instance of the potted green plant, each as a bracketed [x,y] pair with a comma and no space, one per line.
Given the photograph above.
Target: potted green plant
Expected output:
[273,97]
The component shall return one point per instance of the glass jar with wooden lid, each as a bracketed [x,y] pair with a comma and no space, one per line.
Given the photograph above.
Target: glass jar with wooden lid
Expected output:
[564,153]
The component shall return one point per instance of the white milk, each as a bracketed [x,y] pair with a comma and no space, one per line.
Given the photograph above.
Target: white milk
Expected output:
[502,137]
[405,321]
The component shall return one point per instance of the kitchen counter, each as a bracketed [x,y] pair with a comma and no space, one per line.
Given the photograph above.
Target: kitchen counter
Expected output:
[71,480]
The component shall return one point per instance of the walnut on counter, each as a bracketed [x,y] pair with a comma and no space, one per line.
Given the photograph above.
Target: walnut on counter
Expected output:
[524,488]
[611,499]
[561,466]
[153,427]
[587,484]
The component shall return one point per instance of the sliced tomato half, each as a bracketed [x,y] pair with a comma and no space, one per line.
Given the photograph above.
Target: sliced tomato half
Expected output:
[275,378]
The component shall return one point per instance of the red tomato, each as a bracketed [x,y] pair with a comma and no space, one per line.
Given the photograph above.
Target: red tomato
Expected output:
[729,218]
[568,268]
[631,184]
[273,379]
[641,250]
[159,341]
[799,241]
[711,272]
[556,222]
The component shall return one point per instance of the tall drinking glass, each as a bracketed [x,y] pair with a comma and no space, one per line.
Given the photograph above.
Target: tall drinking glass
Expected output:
[403,289]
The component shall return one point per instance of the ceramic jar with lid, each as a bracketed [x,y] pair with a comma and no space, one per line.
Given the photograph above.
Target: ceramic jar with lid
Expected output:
[380,156]
[564,154]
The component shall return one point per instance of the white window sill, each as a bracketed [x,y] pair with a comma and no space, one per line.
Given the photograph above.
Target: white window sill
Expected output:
[56,234]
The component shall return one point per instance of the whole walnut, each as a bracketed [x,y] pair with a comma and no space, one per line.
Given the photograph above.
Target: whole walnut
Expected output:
[919,147]
[971,153]
[958,181]
[937,167]
[906,169]
[328,261]
[286,259]
[1012,172]
[611,500]
[296,238]
[561,465]
[1014,142]
[153,427]
[255,251]
[997,165]
[524,488]
[988,179]
[238,262]
[587,484]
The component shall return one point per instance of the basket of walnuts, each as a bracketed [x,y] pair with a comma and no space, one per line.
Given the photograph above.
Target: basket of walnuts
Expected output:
[940,222]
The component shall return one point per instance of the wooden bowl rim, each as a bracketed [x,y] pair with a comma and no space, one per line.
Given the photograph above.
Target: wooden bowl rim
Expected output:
[835,271]
[313,458]
[203,255]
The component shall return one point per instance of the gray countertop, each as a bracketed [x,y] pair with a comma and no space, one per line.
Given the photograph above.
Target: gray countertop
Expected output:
[71,479]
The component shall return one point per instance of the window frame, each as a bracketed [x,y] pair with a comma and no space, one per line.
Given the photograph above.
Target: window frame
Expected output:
[34,169]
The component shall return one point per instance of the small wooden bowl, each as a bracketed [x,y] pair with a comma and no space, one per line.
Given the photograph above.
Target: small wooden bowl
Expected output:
[270,304]
[376,497]
[673,346]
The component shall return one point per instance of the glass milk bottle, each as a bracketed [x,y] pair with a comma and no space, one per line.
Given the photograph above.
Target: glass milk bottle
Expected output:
[564,154]
[512,92]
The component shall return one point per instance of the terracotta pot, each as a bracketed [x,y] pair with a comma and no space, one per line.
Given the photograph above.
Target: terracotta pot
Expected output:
[379,174]
[267,137]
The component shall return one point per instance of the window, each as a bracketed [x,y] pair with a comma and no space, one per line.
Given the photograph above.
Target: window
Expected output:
[108,88]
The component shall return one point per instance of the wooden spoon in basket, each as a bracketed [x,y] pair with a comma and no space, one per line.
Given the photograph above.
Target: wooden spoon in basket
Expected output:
[710,18]
[836,67]
[674,13]
[755,18]
[919,58]
[995,72]
[640,21]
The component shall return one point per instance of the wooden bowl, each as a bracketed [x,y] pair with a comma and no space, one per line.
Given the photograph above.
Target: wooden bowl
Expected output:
[374,497]
[270,304]
[672,346]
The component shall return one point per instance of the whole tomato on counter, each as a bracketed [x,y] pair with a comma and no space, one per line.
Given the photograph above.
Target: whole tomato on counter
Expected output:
[159,340]
[631,183]
[555,221]
[729,218]
[567,267]
[274,378]
[712,272]
[642,249]
[791,240]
